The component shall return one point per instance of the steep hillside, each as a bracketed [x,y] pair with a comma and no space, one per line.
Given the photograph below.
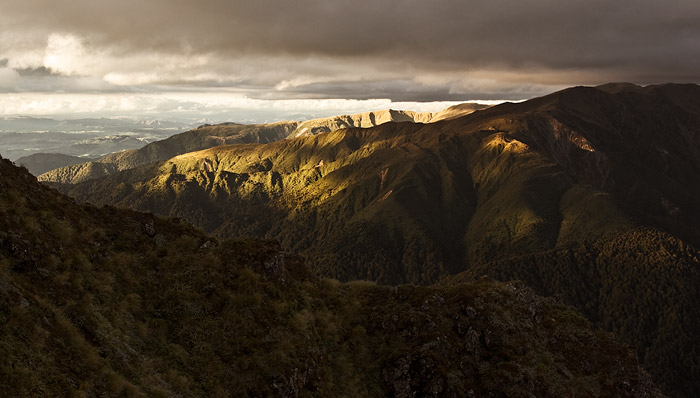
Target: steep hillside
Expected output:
[109,302]
[40,163]
[643,285]
[407,202]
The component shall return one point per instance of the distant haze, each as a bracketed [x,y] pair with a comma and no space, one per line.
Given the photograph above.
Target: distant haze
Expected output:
[213,106]
[181,57]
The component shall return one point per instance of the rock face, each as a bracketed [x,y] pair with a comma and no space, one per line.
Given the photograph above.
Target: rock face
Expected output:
[91,304]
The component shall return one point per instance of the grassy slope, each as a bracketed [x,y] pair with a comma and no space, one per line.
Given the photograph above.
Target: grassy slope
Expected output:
[113,302]
[208,136]
[428,200]
[205,136]
[396,182]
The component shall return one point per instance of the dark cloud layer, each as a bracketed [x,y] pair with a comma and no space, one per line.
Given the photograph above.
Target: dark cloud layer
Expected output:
[503,42]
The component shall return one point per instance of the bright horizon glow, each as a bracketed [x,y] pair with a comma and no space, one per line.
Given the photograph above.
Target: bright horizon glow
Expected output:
[252,59]
[217,106]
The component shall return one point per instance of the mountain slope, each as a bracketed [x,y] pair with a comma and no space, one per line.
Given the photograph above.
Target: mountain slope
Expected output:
[456,111]
[407,202]
[205,136]
[109,302]
[512,179]
[40,163]
[208,136]
[642,285]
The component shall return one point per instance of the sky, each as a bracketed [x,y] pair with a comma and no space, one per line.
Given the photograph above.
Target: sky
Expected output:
[263,60]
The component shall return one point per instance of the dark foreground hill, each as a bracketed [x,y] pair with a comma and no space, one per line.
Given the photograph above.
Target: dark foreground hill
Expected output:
[615,166]
[109,302]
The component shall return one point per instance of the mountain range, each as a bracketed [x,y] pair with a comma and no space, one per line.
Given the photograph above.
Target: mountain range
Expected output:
[208,136]
[589,194]
[509,180]
[90,137]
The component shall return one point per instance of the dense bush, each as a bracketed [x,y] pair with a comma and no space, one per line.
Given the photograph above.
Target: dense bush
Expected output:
[642,284]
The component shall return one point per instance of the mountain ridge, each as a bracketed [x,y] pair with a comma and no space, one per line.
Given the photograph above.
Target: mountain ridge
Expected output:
[406,202]
[207,136]
[375,118]
[547,141]
[40,163]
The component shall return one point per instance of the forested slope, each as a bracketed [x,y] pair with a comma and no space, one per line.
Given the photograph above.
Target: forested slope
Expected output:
[110,302]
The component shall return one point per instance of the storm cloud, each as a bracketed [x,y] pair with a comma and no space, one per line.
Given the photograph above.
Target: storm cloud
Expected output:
[398,49]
